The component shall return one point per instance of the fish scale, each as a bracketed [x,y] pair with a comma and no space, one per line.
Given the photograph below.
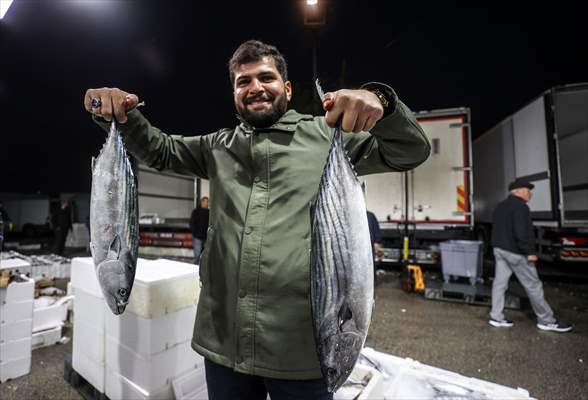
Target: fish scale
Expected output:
[114,219]
[342,281]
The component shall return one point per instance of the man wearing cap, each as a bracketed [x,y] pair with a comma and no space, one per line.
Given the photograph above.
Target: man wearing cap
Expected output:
[514,250]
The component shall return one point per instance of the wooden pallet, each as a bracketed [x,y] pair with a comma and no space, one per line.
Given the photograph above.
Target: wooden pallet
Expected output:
[469,294]
[81,385]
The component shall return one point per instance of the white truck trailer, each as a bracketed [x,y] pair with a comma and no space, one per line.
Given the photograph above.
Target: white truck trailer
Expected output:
[433,202]
[166,201]
[545,142]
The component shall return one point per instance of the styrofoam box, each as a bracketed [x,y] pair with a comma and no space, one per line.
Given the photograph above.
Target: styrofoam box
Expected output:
[90,309]
[91,370]
[120,388]
[83,276]
[15,264]
[18,291]
[17,330]
[46,338]
[14,312]
[191,385]
[152,372]
[49,317]
[160,286]
[15,368]
[15,349]
[150,336]
[89,340]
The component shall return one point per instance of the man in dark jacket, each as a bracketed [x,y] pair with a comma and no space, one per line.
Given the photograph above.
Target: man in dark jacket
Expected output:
[4,224]
[514,249]
[61,225]
[199,226]
[375,233]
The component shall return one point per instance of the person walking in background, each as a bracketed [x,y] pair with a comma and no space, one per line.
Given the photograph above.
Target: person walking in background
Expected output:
[61,224]
[5,224]
[514,249]
[199,227]
[375,233]
[375,238]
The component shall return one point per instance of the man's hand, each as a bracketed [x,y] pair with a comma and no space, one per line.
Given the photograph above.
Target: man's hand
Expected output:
[361,109]
[111,101]
[532,258]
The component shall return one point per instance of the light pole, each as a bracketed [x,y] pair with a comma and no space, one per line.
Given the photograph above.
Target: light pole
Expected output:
[314,17]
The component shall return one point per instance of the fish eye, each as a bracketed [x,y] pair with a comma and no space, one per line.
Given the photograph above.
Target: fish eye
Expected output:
[122,292]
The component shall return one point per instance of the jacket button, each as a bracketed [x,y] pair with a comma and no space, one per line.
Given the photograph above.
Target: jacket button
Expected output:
[248,230]
[242,293]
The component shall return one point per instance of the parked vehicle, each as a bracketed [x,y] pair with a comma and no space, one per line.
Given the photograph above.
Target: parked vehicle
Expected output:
[433,202]
[545,142]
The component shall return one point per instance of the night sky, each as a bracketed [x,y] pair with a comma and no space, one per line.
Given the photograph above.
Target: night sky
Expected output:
[173,54]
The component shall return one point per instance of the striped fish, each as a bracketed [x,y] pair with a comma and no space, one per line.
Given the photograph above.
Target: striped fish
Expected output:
[114,221]
[342,280]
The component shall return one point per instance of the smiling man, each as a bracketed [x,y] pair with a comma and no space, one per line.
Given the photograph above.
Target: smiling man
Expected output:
[253,323]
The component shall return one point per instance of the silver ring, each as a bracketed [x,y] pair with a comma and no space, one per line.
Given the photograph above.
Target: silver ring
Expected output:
[96,103]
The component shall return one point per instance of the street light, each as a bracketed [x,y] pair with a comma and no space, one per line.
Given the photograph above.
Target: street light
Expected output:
[4,6]
[314,17]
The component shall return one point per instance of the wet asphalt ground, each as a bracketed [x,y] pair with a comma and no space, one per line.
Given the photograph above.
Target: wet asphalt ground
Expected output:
[451,336]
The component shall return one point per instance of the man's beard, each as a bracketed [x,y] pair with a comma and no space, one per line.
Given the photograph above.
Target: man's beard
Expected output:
[265,118]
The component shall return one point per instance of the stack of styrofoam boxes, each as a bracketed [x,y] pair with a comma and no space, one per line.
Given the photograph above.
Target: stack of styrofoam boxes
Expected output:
[88,350]
[148,346]
[15,265]
[50,266]
[16,321]
[49,315]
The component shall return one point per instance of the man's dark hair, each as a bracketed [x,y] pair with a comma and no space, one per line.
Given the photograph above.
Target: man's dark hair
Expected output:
[253,51]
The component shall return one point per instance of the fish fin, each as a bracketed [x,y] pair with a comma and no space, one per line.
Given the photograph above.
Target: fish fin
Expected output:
[114,249]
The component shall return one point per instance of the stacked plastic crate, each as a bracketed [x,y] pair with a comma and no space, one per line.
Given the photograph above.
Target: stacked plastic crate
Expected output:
[148,346]
[16,321]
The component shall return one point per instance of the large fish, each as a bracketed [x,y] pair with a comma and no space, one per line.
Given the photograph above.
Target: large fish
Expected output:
[114,221]
[342,280]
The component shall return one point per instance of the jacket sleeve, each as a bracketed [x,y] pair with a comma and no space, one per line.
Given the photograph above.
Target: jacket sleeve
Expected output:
[396,143]
[184,155]
[523,230]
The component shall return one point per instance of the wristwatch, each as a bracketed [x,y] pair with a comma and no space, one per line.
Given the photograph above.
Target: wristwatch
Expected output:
[383,100]
[385,94]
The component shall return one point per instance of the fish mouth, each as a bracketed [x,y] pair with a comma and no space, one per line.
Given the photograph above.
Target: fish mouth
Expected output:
[116,306]
[120,307]
[334,377]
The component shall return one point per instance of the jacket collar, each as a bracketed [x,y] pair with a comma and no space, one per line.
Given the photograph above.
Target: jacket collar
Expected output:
[286,123]
[517,198]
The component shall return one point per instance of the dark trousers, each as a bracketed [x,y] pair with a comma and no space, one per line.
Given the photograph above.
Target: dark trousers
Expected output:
[59,241]
[225,384]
